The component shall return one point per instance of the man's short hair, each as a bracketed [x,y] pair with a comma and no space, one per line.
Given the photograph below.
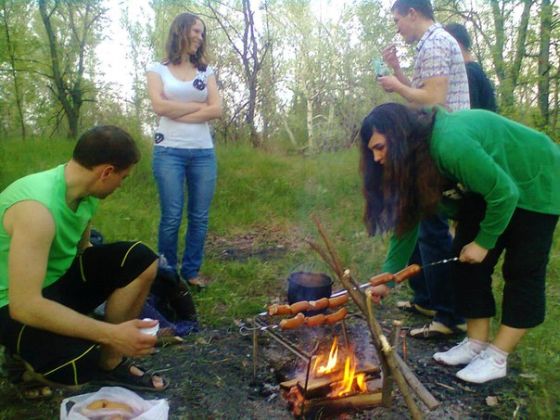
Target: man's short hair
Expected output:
[106,144]
[459,32]
[423,7]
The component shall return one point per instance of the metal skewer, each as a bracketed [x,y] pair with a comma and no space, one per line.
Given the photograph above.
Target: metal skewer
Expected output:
[363,286]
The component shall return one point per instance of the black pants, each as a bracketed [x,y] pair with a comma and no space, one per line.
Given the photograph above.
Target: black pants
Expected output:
[91,279]
[526,241]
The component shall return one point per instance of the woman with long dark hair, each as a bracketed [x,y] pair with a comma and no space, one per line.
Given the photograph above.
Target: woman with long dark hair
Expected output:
[499,180]
[184,93]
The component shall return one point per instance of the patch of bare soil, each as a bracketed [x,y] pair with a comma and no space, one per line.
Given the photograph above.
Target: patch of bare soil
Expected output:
[265,243]
[211,376]
[211,373]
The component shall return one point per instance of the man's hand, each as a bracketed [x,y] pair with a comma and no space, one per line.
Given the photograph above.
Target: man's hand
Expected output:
[389,83]
[473,253]
[379,292]
[390,56]
[127,339]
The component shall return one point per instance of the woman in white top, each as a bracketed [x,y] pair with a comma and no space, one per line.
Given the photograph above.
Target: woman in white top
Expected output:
[184,93]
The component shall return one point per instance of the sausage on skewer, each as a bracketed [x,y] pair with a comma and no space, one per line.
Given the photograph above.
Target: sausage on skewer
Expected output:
[317,305]
[407,273]
[279,310]
[381,279]
[338,301]
[292,323]
[337,316]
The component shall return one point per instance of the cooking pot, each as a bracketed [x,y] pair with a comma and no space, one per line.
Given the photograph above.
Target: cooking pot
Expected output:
[308,286]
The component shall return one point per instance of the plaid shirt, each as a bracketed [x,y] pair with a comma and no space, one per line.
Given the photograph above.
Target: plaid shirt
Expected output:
[439,55]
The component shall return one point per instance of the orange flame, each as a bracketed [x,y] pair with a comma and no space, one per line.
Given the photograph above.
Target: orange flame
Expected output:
[332,361]
[350,381]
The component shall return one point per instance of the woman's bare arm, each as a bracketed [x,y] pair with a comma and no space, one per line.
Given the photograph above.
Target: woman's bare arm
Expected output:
[165,107]
[209,111]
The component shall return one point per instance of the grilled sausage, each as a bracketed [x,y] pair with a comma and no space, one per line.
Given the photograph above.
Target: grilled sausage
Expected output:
[299,307]
[279,310]
[381,279]
[315,321]
[337,301]
[407,273]
[337,316]
[317,305]
[291,323]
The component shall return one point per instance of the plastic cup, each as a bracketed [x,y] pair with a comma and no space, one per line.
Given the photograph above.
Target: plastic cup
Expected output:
[150,330]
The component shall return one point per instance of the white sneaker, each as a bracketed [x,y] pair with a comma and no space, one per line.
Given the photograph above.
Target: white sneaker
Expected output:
[461,354]
[483,368]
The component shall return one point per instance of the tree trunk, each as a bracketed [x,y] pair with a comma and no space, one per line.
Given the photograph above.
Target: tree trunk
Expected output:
[15,78]
[59,84]
[508,75]
[309,119]
[544,61]
[68,84]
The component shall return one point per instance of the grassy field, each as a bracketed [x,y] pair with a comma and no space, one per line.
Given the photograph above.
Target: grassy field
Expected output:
[263,204]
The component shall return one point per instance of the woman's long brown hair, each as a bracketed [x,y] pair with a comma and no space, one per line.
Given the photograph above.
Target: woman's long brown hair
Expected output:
[177,41]
[408,185]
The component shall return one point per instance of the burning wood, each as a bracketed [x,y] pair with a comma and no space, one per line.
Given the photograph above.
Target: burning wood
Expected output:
[301,406]
[332,377]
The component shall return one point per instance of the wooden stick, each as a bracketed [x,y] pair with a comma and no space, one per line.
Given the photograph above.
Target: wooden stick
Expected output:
[360,301]
[330,247]
[375,329]
[370,370]
[391,361]
[418,387]
[322,253]
[355,402]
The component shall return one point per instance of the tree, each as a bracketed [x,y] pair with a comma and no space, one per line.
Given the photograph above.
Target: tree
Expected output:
[13,37]
[544,67]
[245,42]
[71,27]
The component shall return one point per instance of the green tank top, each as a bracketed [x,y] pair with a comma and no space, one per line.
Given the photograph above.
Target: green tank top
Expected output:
[49,189]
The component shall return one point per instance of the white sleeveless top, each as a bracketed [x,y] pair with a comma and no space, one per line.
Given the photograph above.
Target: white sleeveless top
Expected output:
[172,133]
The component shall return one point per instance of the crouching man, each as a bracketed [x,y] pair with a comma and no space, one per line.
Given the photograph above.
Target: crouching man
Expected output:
[51,277]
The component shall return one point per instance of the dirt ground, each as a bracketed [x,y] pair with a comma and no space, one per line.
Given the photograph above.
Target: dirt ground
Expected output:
[212,377]
[211,373]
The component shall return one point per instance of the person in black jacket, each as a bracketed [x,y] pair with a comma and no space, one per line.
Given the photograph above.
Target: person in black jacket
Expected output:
[480,88]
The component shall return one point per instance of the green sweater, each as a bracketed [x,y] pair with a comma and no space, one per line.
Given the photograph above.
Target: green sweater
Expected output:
[510,165]
[49,189]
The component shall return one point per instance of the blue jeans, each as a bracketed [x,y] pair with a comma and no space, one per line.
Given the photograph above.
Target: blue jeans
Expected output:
[174,169]
[433,288]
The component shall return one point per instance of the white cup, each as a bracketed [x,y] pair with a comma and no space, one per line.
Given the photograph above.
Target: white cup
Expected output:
[150,330]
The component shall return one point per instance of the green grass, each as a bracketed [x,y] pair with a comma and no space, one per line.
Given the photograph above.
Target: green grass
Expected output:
[275,195]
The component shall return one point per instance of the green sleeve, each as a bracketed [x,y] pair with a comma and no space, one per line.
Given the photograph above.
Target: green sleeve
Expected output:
[473,167]
[400,250]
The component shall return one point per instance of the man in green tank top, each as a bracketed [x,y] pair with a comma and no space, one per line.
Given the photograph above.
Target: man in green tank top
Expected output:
[51,277]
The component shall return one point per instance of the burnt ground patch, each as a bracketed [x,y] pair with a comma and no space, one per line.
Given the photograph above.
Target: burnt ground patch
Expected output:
[211,373]
[211,376]
[265,243]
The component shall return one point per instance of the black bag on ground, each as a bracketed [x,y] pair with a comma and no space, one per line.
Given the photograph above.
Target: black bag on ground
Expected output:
[173,297]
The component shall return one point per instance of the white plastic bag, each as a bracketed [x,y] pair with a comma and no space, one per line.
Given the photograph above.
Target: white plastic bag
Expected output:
[75,408]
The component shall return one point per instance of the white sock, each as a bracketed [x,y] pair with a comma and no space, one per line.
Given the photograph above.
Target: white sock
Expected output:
[477,345]
[497,354]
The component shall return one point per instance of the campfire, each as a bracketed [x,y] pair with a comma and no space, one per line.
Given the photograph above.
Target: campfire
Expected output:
[345,381]
[335,379]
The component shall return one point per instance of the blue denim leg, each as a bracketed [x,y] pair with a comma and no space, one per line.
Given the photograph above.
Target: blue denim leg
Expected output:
[201,184]
[174,169]
[169,168]
[434,244]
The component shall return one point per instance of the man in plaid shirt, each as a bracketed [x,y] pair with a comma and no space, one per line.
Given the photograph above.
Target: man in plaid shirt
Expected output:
[439,78]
